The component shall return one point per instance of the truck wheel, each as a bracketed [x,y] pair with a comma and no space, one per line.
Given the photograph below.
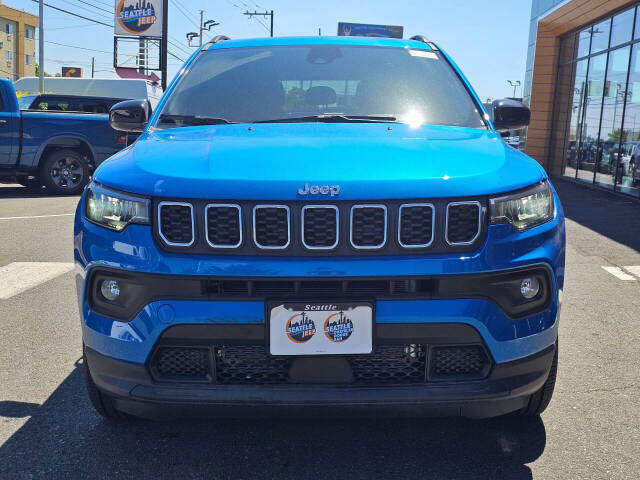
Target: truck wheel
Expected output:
[65,171]
[102,403]
[539,401]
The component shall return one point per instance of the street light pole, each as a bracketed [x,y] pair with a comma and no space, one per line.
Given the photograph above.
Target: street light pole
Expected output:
[515,85]
[41,46]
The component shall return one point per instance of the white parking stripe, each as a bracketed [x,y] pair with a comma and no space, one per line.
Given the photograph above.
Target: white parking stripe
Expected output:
[38,216]
[635,269]
[618,272]
[17,277]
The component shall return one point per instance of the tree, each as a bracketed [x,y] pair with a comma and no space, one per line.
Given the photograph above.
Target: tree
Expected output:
[615,135]
[38,71]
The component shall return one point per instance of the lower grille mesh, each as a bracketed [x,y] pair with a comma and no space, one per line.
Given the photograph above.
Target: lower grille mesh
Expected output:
[469,361]
[388,365]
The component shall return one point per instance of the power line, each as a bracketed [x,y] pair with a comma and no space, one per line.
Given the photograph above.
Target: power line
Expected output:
[74,14]
[80,48]
[110,12]
[184,12]
[102,15]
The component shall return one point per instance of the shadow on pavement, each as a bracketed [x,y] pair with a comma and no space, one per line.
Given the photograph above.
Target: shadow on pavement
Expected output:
[613,216]
[64,438]
[18,191]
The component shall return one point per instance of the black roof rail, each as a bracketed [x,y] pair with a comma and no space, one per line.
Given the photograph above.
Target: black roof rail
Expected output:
[423,39]
[214,40]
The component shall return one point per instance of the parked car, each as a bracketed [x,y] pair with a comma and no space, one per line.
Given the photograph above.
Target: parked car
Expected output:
[60,149]
[67,103]
[286,232]
[91,87]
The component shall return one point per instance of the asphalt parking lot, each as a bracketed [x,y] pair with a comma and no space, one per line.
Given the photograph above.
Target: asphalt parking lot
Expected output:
[591,429]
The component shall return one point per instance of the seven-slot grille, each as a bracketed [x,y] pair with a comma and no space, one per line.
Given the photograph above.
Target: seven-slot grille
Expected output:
[176,223]
[223,225]
[463,222]
[338,229]
[320,226]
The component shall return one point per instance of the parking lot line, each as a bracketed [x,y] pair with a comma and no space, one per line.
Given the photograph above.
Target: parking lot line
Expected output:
[17,277]
[634,269]
[38,216]
[618,272]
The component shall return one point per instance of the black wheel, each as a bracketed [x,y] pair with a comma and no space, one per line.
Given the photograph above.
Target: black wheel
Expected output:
[102,402]
[539,401]
[65,171]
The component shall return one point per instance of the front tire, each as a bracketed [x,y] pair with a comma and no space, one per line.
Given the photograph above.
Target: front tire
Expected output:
[539,401]
[65,172]
[102,403]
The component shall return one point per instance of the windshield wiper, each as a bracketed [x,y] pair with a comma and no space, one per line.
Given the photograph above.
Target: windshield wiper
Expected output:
[333,118]
[190,120]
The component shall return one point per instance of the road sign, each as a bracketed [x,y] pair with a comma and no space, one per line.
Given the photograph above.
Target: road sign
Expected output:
[366,30]
[75,72]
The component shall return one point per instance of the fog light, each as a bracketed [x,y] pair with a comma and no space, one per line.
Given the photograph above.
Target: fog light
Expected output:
[110,290]
[529,287]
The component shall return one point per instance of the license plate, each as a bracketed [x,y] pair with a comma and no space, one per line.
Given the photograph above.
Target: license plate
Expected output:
[321,329]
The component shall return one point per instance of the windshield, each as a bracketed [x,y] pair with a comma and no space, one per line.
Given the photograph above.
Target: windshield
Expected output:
[312,83]
[25,101]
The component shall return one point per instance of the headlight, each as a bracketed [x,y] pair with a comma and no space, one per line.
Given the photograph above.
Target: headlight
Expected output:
[115,210]
[524,209]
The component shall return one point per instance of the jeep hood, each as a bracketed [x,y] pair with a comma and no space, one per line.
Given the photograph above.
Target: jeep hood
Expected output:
[273,161]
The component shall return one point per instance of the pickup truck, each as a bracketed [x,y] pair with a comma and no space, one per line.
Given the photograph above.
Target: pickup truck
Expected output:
[320,222]
[60,149]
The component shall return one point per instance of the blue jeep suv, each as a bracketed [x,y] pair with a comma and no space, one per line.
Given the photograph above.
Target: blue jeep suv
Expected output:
[326,222]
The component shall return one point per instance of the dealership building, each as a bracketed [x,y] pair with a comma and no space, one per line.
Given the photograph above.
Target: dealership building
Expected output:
[582,83]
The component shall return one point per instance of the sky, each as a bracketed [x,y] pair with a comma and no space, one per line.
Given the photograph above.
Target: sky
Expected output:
[486,38]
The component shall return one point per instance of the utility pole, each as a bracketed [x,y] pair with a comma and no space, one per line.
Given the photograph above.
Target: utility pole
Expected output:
[164,44]
[93,66]
[41,46]
[261,14]
[515,85]
[208,25]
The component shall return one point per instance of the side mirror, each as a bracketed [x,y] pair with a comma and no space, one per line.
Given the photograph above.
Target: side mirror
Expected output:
[130,116]
[510,114]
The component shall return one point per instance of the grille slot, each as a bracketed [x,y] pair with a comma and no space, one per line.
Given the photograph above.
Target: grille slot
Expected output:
[462,362]
[368,226]
[183,364]
[175,220]
[271,226]
[223,225]
[463,223]
[415,225]
[249,364]
[391,364]
[320,226]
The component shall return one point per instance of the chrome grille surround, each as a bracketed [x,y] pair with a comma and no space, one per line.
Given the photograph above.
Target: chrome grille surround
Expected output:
[478,228]
[206,223]
[165,239]
[433,224]
[365,206]
[337,217]
[272,247]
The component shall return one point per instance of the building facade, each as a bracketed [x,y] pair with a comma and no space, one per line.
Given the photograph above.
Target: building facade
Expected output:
[582,84]
[17,43]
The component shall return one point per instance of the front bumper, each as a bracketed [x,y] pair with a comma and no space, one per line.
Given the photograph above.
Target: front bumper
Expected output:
[506,389]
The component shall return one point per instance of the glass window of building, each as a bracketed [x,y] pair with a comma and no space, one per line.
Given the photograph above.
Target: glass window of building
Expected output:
[612,166]
[576,113]
[630,176]
[600,36]
[590,151]
[29,32]
[622,28]
[595,136]
[28,59]
[584,42]
[8,28]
